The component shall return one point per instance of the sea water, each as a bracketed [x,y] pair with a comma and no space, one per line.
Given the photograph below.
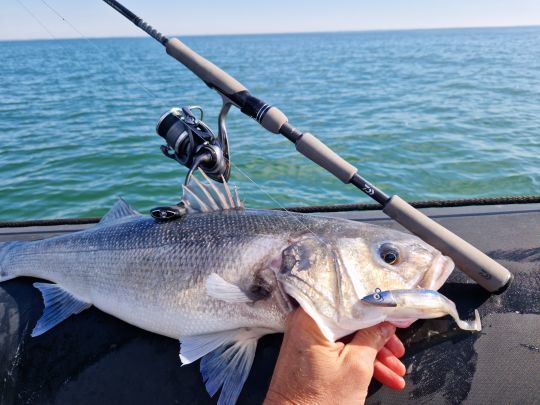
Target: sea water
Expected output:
[430,114]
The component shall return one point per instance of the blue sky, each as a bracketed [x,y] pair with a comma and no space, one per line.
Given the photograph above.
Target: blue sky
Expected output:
[94,18]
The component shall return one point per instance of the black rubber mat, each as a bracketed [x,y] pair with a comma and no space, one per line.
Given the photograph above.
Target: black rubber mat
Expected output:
[94,358]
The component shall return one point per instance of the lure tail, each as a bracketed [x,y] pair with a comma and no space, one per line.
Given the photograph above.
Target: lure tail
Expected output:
[475,324]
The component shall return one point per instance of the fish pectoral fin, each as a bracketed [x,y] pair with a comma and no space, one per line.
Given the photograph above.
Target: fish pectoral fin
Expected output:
[194,347]
[119,211]
[227,368]
[227,357]
[59,305]
[218,288]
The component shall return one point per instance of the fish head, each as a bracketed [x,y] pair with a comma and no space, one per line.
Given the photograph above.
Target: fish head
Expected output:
[386,259]
[329,275]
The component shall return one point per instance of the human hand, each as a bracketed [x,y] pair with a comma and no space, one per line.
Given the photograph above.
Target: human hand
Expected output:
[312,370]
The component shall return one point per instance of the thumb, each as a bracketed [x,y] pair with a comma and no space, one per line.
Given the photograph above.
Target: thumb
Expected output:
[369,341]
[303,329]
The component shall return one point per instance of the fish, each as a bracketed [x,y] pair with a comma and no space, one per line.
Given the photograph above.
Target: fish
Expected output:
[402,307]
[221,276]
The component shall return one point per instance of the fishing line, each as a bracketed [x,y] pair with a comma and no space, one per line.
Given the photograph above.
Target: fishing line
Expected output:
[98,49]
[154,96]
[35,18]
[102,54]
[291,214]
[484,270]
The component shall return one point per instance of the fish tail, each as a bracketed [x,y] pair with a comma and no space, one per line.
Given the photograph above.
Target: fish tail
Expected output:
[7,271]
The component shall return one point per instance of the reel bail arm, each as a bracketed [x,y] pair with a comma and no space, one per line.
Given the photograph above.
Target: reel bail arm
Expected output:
[192,143]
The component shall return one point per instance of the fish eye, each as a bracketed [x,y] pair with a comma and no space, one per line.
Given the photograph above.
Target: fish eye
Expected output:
[389,253]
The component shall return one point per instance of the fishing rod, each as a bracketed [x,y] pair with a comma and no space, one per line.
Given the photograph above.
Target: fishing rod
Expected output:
[190,142]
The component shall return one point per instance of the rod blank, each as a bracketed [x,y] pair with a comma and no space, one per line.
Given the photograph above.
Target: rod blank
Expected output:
[485,271]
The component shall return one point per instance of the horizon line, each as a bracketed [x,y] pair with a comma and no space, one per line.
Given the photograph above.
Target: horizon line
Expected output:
[142,35]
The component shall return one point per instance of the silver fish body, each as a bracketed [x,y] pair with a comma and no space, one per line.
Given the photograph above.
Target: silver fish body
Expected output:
[152,274]
[222,276]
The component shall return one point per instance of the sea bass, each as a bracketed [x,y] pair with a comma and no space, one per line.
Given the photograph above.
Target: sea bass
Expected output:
[222,276]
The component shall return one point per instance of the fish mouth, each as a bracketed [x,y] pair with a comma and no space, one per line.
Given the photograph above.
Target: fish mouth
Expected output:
[438,273]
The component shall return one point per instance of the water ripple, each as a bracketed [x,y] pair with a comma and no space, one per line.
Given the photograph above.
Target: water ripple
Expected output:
[425,114]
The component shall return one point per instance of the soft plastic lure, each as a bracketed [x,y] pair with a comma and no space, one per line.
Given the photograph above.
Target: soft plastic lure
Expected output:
[405,306]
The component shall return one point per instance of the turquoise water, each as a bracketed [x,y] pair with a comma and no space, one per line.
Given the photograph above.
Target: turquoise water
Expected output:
[424,114]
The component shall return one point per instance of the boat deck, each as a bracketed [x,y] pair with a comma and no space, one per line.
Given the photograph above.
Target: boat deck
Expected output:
[94,358]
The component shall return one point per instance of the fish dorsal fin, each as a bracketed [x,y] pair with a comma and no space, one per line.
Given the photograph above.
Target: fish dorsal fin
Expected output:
[119,211]
[59,305]
[226,359]
[210,196]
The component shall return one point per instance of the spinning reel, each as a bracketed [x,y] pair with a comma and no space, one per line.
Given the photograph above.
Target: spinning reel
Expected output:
[193,144]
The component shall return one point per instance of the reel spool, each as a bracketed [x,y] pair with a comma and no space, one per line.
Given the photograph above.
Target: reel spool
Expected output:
[193,144]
